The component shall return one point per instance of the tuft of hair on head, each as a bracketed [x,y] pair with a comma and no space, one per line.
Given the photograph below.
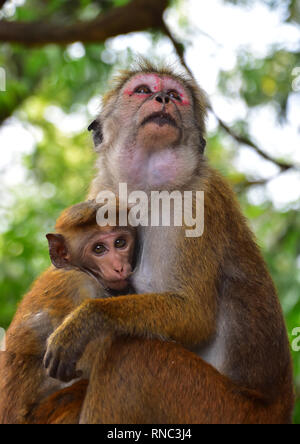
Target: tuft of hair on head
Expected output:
[78,215]
[83,215]
[144,65]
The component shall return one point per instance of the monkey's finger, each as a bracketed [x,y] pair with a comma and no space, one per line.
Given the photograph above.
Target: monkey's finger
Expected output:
[71,374]
[66,372]
[47,359]
[74,374]
[52,369]
[62,372]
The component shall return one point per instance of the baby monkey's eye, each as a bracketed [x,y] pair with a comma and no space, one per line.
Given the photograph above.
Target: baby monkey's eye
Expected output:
[174,95]
[120,243]
[99,249]
[143,89]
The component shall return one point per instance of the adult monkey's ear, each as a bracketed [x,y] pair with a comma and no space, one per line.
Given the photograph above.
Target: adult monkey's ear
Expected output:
[202,141]
[96,127]
[58,250]
[202,144]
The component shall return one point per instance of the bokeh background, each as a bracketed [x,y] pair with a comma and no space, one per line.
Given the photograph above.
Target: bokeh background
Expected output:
[56,59]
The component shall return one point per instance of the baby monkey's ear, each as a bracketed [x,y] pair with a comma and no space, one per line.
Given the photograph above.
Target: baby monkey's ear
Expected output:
[96,127]
[58,250]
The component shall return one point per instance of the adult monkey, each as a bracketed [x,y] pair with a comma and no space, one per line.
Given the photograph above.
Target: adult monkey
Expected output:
[151,131]
[150,135]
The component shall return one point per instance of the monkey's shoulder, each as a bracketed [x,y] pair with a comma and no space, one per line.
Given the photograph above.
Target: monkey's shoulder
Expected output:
[58,291]
[213,183]
[69,285]
[65,276]
[52,297]
[222,208]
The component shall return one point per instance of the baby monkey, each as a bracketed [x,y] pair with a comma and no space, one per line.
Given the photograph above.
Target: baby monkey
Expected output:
[104,253]
[90,262]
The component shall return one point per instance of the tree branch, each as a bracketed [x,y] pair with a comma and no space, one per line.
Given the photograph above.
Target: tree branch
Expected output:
[135,16]
[246,141]
[179,48]
[245,184]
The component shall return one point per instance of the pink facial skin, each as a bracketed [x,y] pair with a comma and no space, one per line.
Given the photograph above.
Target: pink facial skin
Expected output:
[157,84]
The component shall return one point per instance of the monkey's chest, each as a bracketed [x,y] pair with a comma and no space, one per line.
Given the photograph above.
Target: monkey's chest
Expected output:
[154,272]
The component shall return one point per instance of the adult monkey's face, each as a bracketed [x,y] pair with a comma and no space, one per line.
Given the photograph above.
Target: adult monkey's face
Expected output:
[151,132]
[159,108]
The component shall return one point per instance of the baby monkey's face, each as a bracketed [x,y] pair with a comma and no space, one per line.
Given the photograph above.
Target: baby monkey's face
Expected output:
[105,252]
[108,253]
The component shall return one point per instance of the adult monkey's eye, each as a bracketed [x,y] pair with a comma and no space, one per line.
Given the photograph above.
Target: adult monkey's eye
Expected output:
[174,95]
[99,249]
[120,243]
[143,89]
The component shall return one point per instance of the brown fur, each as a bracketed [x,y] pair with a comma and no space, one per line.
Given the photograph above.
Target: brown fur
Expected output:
[23,379]
[212,294]
[155,382]
[62,407]
[218,299]
[24,382]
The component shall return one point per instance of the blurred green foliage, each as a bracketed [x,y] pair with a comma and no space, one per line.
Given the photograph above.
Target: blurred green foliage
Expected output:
[60,166]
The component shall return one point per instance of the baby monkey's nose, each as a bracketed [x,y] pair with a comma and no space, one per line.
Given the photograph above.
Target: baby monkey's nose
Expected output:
[119,269]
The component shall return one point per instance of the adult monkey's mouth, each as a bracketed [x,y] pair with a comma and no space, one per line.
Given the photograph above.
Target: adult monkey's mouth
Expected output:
[160,118]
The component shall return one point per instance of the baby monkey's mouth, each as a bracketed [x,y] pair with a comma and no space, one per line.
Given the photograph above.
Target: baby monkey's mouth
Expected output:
[122,278]
[160,118]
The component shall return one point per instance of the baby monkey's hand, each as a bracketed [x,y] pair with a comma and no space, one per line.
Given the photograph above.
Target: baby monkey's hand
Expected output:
[64,348]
